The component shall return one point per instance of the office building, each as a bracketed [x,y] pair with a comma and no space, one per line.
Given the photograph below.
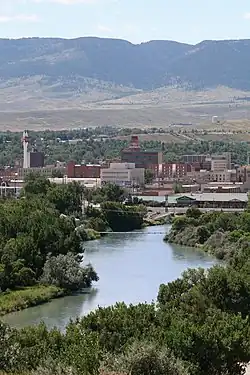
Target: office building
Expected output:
[221,162]
[170,170]
[191,159]
[123,174]
[83,170]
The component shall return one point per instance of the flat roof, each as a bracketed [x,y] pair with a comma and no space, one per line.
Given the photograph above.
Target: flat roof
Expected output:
[210,197]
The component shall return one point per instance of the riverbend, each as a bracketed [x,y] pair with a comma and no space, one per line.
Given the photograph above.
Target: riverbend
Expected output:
[130,266]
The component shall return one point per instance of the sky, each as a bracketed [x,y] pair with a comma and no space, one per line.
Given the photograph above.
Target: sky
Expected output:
[189,21]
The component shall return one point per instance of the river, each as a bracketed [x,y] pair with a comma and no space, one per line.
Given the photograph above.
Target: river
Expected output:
[131,266]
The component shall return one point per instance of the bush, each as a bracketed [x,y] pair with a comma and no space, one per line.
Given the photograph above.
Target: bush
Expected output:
[216,240]
[145,359]
[65,271]
[98,224]
[52,367]
[193,212]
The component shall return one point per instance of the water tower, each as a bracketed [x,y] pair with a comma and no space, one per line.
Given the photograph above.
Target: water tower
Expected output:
[215,120]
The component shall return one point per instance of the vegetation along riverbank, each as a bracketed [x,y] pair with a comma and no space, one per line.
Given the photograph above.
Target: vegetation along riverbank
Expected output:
[43,235]
[15,300]
[199,324]
[41,248]
[219,233]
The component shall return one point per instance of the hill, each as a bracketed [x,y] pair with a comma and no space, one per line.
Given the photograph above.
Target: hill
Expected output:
[143,66]
[108,81]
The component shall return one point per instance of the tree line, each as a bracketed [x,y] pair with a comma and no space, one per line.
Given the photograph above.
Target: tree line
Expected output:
[101,144]
[223,234]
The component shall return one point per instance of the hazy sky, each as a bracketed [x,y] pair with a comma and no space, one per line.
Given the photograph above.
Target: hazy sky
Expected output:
[136,20]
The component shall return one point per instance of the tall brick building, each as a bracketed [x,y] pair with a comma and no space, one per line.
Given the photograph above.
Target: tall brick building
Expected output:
[141,158]
[83,171]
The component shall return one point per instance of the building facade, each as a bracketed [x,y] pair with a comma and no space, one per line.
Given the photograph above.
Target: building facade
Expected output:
[46,171]
[35,159]
[170,171]
[191,159]
[221,162]
[83,171]
[123,174]
[209,200]
[141,158]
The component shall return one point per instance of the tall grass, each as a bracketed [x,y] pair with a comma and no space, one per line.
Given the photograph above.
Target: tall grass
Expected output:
[21,299]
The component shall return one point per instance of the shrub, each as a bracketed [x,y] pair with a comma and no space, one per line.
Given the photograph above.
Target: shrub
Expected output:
[52,367]
[145,359]
[65,271]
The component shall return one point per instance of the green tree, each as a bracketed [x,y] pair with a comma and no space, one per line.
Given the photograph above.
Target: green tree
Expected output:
[65,271]
[193,212]
[57,174]
[113,193]
[67,199]
[36,184]
[148,176]
[122,218]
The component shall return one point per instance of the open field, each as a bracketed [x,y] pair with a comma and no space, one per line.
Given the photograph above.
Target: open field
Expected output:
[160,108]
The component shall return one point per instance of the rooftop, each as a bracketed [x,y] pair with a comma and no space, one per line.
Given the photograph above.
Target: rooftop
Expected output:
[210,197]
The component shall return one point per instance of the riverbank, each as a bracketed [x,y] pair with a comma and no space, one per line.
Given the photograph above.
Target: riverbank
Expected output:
[217,244]
[220,234]
[21,299]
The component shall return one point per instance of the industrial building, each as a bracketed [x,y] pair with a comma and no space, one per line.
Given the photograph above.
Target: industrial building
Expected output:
[209,200]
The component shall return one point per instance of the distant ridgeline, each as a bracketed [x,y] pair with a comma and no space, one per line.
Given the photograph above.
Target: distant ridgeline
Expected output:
[95,61]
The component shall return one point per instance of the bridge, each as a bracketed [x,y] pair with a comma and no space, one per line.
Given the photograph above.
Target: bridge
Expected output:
[134,232]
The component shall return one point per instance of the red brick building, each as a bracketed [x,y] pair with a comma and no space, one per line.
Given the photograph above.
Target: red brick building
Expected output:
[83,171]
[141,158]
[6,173]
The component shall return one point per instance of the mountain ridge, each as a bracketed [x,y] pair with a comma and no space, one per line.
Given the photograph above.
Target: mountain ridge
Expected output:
[147,66]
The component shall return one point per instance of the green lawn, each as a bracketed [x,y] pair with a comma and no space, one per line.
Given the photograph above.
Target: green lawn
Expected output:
[21,299]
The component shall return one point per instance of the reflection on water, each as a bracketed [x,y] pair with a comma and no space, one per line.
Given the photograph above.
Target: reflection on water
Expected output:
[131,266]
[189,254]
[57,313]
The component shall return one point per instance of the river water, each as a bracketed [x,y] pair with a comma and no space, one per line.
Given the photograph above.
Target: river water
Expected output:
[131,266]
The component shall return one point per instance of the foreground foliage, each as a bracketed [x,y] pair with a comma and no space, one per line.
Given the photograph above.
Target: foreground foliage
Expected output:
[200,324]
